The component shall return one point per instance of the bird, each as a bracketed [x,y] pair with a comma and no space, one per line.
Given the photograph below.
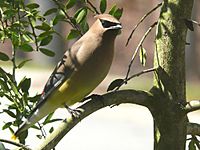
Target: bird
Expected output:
[79,72]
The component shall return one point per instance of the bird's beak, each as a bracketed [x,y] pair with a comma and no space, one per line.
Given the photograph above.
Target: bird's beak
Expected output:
[116,27]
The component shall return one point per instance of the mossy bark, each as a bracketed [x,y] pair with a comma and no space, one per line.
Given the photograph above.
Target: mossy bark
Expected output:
[169,119]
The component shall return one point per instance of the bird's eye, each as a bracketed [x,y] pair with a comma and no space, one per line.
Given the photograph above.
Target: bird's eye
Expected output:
[107,24]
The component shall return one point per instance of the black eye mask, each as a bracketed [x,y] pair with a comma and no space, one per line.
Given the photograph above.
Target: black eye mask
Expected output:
[107,24]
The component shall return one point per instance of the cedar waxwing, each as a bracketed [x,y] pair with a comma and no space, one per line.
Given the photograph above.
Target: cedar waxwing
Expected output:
[80,71]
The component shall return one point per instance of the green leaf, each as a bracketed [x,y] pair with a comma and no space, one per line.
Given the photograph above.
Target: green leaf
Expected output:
[14,88]
[81,15]
[48,118]
[84,26]
[70,3]
[47,52]
[39,136]
[59,17]
[4,85]
[118,13]
[33,5]
[21,64]
[103,6]
[25,84]
[54,120]
[46,40]
[44,27]
[143,56]
[26,48]
[50,11]
[46,33]
[73,34]
[3,57]
[34,98]
[114,84]
[51,130]
[35,127]
[2,147]
[191,145]
[6,125]
[10,113]
[112,10]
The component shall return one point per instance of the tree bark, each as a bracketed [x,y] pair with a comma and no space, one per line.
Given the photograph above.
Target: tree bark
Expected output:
[169,119]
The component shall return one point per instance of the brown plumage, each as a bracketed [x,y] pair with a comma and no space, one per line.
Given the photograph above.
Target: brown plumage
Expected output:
[80,71]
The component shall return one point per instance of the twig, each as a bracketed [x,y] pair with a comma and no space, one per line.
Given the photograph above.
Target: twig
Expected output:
[140,73]
[34,34]
[196,141]
[93,7]
[138,47]
[192,105]
[136,75]
[195,22]
[68,17]
[193,128]
[141,20]
[14,64]
[15,143]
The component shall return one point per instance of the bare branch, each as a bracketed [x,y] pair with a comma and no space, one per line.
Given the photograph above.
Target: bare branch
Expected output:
[193,128]
[138,47]
[108,99]
[195,22]
[193,105]
[141,20]
[15,143]
[93,7]
[136,75]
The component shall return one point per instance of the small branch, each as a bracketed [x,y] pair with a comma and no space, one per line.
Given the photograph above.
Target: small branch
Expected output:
[142,72]
[93,7]
[34,34]
[195,22]
[193,128]
[196,141]
[141,20]
[136,75]
[138,47]
[13,64]
[192,106]
[108,99]
[68,17]
[15,143]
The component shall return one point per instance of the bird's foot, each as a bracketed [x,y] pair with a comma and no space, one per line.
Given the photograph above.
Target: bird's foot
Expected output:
[74,112]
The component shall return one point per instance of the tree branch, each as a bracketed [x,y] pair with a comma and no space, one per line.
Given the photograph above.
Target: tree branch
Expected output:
[124,96]
[192,106]
[141,20]
[138,47]
[15,143]
[193,128]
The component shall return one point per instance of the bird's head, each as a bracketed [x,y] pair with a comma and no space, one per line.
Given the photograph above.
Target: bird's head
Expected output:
[107,24]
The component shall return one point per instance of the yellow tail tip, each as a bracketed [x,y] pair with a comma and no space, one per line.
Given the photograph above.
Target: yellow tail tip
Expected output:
[14,137]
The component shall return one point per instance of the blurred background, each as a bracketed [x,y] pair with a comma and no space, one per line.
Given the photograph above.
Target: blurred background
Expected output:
[125,126]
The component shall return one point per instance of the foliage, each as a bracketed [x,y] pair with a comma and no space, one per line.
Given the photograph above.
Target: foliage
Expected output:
[29,30]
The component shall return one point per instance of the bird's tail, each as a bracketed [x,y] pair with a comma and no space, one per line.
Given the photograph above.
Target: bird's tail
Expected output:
[21,129]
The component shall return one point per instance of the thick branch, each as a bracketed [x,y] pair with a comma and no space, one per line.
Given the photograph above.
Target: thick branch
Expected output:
[193,129]
[192,106]
[108,99]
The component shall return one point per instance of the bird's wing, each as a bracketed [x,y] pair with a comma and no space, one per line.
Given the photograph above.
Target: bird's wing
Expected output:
[61,73]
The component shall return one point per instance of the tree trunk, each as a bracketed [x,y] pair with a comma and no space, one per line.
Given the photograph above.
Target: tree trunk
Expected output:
[169,119]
